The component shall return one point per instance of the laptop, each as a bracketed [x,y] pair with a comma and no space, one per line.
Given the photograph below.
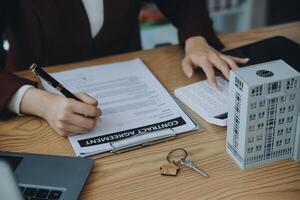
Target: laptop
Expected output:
[8,186]
[47,177]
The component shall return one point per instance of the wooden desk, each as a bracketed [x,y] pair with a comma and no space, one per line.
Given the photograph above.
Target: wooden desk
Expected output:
[135,174]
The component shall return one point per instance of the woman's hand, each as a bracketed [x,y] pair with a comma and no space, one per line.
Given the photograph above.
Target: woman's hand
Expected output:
[66,116]
[200,54]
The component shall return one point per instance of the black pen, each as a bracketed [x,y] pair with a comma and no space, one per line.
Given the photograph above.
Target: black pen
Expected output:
[53,82]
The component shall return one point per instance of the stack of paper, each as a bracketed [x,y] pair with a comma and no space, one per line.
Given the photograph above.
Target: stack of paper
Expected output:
[136,108]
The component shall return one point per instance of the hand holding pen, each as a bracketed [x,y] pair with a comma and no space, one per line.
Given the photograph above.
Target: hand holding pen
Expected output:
[67,116]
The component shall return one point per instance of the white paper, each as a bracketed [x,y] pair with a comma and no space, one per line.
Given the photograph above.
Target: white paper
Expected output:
[206,101]
[130,97]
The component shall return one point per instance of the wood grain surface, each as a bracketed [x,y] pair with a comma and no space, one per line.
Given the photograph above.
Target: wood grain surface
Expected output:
[136,175]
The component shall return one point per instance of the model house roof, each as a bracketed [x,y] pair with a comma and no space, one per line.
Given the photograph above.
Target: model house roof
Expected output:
[266,73]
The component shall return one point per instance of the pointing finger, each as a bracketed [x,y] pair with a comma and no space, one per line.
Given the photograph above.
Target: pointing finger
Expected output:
[221,65]
[230,61]
[208,70]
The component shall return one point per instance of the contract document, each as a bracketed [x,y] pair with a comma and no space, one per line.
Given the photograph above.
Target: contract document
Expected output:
[136,108]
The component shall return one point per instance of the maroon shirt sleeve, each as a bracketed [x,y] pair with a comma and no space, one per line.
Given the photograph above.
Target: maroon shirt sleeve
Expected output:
[191,18]
[9,84]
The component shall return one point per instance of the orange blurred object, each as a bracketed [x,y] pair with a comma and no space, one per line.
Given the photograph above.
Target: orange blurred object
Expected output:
[150,13]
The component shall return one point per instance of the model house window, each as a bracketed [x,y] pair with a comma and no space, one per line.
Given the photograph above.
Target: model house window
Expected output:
[250,139]
[287,140]
[292,96]
[292,83]
[253,105]
[289,84]
[260,126]
[261,114]
[253,92]
[237,108]
[256,91]
[259,137]
[288,130]
[291,108]
[282,110]
[259,90]
[250,150]
[252,128]
[274,87]
[262,103]
[252,117]
[278,142]
[280,132]
[258,147]
[290,119]
[238,83]
[238,98]
[283,98]
[281,121]
[237,120]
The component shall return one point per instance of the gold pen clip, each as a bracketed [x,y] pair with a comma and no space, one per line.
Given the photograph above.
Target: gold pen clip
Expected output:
[33,67]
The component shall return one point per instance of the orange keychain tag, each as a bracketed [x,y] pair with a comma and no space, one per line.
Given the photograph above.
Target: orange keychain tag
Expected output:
[169,169]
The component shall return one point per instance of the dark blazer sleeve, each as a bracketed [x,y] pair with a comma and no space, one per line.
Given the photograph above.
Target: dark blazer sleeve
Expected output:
[191,18]
[9,83]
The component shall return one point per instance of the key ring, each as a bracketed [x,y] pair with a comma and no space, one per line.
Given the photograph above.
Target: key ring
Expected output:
[184,155]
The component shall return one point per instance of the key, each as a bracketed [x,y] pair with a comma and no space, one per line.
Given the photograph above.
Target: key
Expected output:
[169,169]
[190,164]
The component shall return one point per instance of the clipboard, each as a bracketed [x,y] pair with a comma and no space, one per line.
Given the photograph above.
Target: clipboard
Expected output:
[124,128]
[125,149]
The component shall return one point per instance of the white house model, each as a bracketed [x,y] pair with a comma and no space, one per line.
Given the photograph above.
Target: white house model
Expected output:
[263,113]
